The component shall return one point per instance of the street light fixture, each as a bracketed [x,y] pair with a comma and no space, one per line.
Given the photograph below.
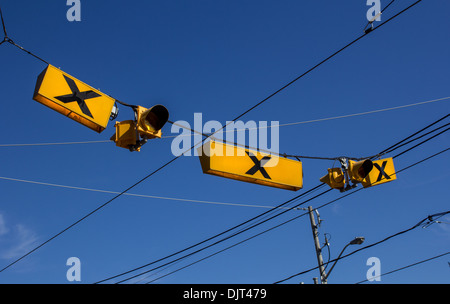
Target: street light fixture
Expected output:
[356,241]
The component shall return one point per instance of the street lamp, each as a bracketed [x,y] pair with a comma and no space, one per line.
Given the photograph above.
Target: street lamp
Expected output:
[356,241]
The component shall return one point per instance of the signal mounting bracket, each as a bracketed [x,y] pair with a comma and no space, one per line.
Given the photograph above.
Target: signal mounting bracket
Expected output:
[344,166]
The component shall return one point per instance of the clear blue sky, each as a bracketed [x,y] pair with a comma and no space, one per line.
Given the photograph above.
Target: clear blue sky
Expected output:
[219,58]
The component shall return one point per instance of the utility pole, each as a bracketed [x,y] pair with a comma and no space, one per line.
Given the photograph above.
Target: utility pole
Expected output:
[315,232]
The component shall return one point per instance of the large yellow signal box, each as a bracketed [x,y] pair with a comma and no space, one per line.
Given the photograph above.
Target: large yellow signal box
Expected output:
[73,98]
[245,165]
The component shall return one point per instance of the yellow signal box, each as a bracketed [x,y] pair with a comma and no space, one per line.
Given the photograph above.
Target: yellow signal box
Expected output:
[73,98]
[383,172]
[335,178]
[245,165]
[126,135]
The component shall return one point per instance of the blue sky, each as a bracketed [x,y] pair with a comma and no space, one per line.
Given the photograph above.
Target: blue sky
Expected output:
[219,58]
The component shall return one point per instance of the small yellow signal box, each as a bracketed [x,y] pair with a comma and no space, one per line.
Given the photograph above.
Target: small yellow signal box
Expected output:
[126,135]
[335,178]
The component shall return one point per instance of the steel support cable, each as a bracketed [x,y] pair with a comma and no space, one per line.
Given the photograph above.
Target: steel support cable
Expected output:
[26,51]
[386,151]
[175,158]
[288,221]
[7,39]
[3,24]
[211,136]
[280,125]
[266,213]
[408,266]
[366,247]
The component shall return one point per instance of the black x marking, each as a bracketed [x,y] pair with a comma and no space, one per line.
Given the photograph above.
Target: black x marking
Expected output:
[77,96]
[381,169]
[258,167]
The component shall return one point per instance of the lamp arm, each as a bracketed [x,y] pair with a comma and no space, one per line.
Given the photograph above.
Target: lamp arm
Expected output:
[340,254]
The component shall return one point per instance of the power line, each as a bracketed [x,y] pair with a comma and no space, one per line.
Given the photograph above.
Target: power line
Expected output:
[414,139]
[211,238]
[138,195]
[245,240]
[228,237]
[405,267]
[3,25]
[368,246]
[324,60]
[87,215]
[421,143]
[57,143]
[397,145]
[382,11]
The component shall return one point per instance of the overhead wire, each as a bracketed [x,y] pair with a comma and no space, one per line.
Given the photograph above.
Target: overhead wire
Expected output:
[3,25]
[138,268]
[228,237]
[211,238]
[9,40]
[140,195]
[237,144]
[421,143]
[380,13]
[175,158]
[87,215]
[405,267]
[397,145]
[367,247]
[325,60]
